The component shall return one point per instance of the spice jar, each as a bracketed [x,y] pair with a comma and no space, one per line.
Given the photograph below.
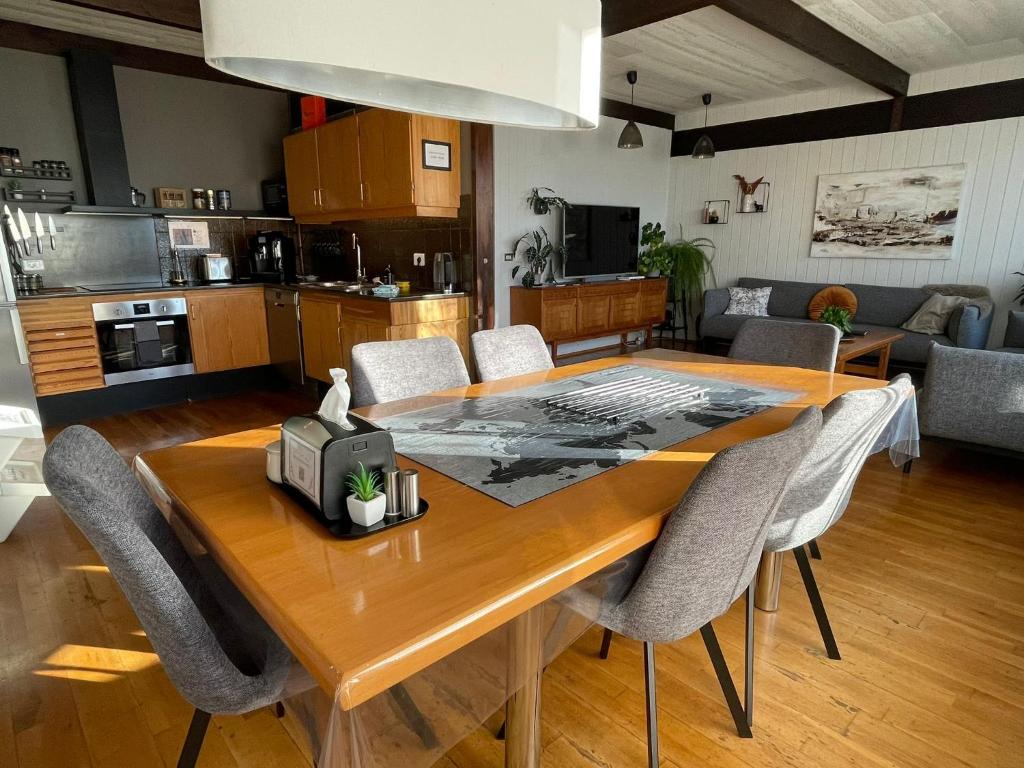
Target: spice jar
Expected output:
[198,197]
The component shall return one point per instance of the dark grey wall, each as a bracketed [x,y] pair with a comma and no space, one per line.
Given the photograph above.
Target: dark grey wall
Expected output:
[178,131]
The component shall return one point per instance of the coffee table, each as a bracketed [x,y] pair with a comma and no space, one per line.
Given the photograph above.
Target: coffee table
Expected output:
[858,346]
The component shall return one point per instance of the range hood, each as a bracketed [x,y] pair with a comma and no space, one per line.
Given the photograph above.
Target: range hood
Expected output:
[98,120]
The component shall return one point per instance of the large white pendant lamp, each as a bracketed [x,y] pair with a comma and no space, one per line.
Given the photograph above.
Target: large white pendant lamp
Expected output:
[529,62]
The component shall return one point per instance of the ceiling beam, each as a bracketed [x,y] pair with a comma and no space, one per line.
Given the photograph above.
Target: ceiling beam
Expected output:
[797,26]
[782,19]
[28,37]
[624,111]
[175,13]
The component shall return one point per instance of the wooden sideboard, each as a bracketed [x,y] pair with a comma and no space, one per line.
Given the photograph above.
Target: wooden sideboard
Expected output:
[565,313]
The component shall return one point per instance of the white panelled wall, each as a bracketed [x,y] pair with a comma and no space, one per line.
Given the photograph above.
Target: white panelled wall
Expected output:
[989,244]
[582,167]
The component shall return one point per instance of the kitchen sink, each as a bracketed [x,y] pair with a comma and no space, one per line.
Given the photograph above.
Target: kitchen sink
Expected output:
[337,285]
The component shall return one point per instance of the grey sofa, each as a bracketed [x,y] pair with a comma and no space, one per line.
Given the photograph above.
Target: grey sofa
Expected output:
[974,396]
[879,308]
[1014,339]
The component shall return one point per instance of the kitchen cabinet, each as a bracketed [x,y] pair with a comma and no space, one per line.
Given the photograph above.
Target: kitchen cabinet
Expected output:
[62,346]
[590,310]
[321,334]
[228,328]
[373,165]
[302,168]
[333,323]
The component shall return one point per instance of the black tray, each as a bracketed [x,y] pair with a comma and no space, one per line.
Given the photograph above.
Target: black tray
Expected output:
[346,529]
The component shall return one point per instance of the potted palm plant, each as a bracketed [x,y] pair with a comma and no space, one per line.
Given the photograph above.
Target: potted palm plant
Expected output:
[1020,296]
[366,504]
[687,263]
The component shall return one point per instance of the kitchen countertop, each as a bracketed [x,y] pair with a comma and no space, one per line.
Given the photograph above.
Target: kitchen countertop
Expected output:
[77,291]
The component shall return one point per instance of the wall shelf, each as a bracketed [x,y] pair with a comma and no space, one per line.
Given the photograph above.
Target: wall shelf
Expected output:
[170,213]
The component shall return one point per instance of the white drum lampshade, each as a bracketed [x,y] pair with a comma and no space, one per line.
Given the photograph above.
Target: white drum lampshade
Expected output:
[534,63]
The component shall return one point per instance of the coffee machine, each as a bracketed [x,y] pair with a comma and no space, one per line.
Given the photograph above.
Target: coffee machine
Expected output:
[272,257]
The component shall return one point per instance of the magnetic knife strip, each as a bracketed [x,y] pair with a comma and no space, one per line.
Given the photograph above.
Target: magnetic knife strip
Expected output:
[634,398]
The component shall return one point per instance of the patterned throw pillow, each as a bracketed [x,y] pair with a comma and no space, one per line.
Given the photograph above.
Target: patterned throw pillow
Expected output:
[749,301]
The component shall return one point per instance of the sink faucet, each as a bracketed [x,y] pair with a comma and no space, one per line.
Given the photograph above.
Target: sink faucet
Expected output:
[360,276]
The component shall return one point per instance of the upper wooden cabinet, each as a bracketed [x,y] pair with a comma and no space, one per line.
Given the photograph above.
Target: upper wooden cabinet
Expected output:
[228,329]
[373,164]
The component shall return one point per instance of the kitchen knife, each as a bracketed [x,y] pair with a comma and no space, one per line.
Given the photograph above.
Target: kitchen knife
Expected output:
[53,231]
[26,232]
[39,233]
[12,227]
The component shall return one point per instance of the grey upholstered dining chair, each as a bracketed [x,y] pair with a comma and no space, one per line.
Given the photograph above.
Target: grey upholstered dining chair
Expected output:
[705,557]
[820,489]
[223,660]
[802,345]
[383,371]
[513,351]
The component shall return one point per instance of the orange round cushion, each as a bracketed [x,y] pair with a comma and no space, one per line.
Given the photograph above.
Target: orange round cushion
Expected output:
[833,296]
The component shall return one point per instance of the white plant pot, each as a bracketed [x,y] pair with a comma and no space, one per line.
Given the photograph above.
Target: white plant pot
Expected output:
[366,513]
[747,204]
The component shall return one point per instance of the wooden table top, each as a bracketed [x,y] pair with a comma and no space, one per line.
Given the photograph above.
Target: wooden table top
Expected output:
[362,615]
[861,345]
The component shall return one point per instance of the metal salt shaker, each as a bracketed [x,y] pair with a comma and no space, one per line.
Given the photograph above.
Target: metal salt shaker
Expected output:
[393,491]
[410,493]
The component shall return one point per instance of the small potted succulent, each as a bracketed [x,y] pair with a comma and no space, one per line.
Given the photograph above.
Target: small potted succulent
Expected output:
[542,204]
[15,190]
[366,504]
[839,317]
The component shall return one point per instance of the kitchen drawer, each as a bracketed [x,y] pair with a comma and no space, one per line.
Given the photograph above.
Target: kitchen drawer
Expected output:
[366,311]
[64,359]
[61,335]
[74,380]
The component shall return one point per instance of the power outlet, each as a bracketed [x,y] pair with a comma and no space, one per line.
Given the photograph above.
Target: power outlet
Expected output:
[33,265]
[419,259]
[510,257]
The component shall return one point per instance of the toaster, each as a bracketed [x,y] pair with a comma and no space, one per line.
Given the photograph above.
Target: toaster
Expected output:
[317,456]
[214,268]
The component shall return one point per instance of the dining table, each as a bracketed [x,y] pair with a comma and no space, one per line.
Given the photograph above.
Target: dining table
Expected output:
[363,616]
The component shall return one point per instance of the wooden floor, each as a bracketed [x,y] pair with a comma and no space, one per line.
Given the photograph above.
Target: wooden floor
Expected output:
[923,578]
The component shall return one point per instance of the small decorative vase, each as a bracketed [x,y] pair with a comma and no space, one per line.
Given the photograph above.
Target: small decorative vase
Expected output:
[653,273]
[366,513]
[747,203]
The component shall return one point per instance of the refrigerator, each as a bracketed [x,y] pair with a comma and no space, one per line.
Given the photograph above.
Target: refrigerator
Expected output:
[21,434]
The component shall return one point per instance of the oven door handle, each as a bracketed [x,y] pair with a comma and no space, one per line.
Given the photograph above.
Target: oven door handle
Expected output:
[131,326]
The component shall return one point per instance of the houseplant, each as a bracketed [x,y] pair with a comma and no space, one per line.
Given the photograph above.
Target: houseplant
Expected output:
[1020,296]
[366,504]
[542,204]
[839,317]
[687,263]
[537,254]
[747,190]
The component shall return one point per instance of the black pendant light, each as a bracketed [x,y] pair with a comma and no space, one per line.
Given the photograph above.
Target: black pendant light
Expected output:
[704,148]
[630,137]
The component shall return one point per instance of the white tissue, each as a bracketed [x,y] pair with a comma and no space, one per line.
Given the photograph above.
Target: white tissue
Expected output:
[334,408]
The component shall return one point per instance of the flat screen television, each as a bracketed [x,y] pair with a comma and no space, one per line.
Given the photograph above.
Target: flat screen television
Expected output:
[601,240]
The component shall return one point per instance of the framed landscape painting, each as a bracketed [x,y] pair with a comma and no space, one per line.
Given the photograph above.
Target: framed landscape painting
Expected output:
[908,213]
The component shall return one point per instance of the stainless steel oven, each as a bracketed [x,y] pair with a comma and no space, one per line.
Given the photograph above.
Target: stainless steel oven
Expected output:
[142,340]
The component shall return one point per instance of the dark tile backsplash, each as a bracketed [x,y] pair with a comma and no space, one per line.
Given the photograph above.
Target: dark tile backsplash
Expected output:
[119,249]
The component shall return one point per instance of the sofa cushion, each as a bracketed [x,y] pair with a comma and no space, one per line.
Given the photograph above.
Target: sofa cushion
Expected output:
[933,316]
[788,299]
[833,296]
[913,347]
[726,326]
[752,302]
[886,306]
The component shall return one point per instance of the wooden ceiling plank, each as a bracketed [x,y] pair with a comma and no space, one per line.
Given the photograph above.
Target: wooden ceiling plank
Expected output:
[622,15]
[803,30]
[174,13]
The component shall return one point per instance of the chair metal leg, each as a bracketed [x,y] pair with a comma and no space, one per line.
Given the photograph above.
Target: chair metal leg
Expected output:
[650,683]
[748,655]
[194,739]
[278,710]
[725,680]
[606,643]
[812,547]
[907,466]
[413,716]
[816,604]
